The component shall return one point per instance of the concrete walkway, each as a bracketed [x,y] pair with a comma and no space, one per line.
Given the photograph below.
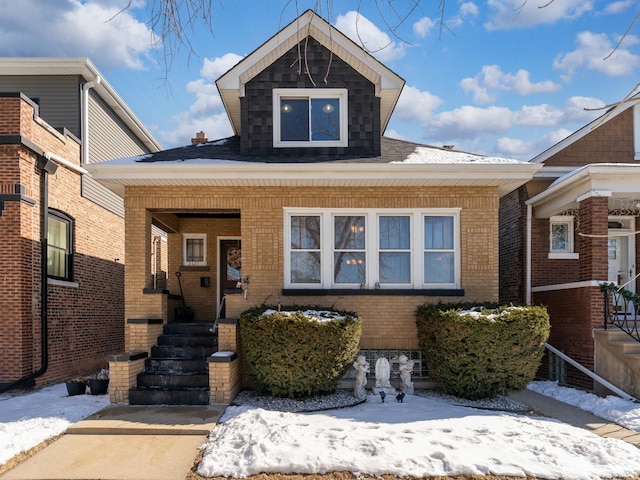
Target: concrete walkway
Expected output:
[124,442]
[550,407]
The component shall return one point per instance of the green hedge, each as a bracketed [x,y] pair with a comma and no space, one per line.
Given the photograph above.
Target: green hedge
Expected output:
[291,354]
[481,355]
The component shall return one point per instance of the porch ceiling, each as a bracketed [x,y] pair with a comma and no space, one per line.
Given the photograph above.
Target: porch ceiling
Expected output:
[619,182]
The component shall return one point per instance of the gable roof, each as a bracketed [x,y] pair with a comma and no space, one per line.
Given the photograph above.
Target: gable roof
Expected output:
[219,163]
[388,85]
[609,115]
[84,68]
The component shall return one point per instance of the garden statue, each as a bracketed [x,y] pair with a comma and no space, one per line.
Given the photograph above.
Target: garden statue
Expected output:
[362,368]
[406,367]
[383,372]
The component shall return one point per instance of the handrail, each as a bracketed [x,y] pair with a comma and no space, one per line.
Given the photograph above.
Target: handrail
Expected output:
[591,374]
[621,309]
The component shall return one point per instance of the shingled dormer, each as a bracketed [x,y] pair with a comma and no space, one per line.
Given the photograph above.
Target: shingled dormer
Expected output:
[309,92]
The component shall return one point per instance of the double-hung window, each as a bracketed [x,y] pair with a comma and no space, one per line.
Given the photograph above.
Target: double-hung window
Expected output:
[372,249]
[60,246]
[310,117]
[561,237]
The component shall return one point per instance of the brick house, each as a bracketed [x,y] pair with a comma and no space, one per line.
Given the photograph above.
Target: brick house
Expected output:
[321,208]
[57,117]
[571,229]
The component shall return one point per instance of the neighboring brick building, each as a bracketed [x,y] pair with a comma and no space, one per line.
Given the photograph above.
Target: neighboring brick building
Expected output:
[583,206]
[44,149]
[323,209]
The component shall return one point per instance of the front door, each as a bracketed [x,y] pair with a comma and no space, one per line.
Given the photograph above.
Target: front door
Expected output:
[230,274]
[621,252]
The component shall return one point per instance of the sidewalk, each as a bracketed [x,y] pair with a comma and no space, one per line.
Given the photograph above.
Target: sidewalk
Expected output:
[124,442]
[568,414]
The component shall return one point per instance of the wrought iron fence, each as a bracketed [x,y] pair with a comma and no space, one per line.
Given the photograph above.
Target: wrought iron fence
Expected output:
[621,309]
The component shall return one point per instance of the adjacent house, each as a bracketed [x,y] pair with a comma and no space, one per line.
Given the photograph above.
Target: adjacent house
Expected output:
[572,228]
[308,204]
[61,233]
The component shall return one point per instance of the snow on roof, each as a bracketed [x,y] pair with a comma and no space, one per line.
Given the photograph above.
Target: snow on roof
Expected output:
[440,155]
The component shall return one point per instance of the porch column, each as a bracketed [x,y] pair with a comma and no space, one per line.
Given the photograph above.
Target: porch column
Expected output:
[592,245]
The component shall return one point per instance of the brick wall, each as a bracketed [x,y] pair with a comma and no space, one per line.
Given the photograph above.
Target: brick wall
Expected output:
[389,321]
[85,316]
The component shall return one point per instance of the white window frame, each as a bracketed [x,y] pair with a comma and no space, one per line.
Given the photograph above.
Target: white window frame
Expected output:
[566,254]
[372,247]
[194,236]
[337,93]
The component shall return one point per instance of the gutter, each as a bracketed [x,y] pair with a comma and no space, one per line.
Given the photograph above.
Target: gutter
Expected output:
[84,127]
[46,166]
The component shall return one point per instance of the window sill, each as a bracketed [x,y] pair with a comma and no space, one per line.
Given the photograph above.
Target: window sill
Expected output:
[564,256]
[428,292]
[62,283]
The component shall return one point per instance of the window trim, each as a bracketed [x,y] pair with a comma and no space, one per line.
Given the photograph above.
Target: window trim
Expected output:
[568,253]
[192,236]
[372,250]
[70,234]
[337,93]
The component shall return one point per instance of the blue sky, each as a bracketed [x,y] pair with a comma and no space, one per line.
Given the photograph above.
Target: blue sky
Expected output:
[492,78]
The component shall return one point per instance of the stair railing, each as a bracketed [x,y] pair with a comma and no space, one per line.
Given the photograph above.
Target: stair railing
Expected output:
[621,309]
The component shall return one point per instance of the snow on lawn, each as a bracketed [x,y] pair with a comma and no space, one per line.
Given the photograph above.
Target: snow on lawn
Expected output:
[420,437]
[26,420]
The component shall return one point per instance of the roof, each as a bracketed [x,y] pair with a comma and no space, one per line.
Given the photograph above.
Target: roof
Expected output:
[86,69]
[610,114]
[388,85]
[219,163]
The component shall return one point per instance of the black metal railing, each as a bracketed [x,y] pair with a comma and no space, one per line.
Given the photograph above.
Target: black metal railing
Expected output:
[621,309]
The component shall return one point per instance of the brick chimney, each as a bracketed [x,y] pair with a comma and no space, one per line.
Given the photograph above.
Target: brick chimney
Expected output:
[201,137]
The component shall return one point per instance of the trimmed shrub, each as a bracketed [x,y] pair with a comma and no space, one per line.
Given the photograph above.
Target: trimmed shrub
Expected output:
[483,353]
[297,351]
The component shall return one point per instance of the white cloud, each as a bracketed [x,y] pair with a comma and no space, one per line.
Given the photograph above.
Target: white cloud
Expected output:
[527,149]
[423,27]
[508,14]
[469,9]
[591,52]
[544,115]
[68,28]
[415,105]
[370,37]
[212,69]
[617,7]
[493,78]
[467,121]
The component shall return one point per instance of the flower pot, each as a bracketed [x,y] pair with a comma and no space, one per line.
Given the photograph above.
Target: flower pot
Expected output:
[98,386]
[76,388]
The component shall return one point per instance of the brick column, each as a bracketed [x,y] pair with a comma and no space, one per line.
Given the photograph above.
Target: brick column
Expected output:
[594,263]
[123,373]
[224,377]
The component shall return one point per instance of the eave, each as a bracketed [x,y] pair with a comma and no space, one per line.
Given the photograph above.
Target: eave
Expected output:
[619,182]
[83,67]
[504,177]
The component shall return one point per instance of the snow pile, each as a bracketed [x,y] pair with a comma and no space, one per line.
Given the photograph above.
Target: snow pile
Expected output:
[315,315]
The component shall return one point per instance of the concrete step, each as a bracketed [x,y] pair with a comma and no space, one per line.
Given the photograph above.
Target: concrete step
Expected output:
[184,340]
[185,380]
[163,396]
[175,365]
[173,351]
[200,328]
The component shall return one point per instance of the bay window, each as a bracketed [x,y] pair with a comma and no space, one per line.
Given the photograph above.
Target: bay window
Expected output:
[371,249]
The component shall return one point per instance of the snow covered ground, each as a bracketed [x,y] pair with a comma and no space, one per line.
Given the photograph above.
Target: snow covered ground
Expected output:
[421,437]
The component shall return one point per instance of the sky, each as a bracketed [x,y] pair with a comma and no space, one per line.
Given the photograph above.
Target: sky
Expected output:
[421,436]
[505,78]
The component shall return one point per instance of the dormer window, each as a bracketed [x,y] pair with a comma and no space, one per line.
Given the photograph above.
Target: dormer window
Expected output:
[310,117]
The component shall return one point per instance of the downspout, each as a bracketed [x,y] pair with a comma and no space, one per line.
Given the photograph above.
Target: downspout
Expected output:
[527,287]
[46,166]
[85,117]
